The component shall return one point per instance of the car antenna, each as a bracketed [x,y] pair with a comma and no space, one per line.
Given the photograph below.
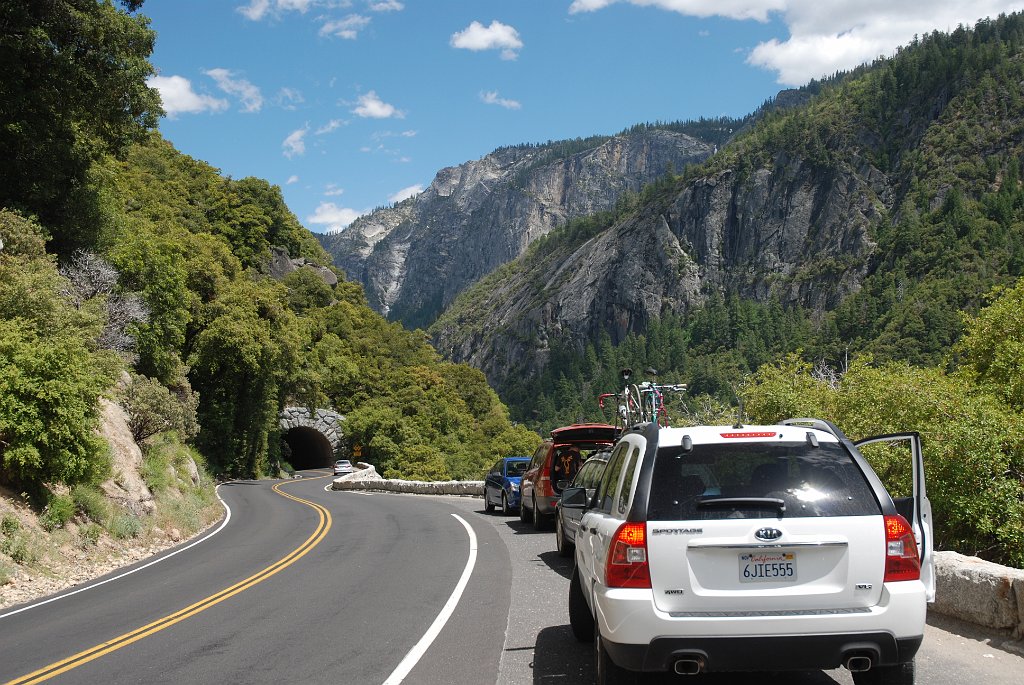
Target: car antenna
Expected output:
[739,412]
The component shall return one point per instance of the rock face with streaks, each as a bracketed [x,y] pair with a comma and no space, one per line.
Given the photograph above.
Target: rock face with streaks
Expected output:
[786,231]
[413,259]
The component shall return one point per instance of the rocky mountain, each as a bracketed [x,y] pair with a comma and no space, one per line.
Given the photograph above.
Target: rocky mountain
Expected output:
[413,259]
[721,232]
[871,206]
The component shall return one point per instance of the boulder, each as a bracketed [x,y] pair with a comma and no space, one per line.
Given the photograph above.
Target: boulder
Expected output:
[979,591]
[126,486]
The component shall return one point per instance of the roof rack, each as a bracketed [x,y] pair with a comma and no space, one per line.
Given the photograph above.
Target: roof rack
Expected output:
[816,424]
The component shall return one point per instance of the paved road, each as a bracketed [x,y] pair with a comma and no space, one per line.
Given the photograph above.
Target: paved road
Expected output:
[339,586]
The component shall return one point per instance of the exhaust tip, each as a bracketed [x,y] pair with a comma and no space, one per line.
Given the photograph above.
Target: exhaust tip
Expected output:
[858,664]
[689,666]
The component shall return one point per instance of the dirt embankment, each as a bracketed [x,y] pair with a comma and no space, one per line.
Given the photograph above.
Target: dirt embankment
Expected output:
[118,523]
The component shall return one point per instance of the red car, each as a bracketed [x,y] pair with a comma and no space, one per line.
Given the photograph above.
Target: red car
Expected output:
[553,466]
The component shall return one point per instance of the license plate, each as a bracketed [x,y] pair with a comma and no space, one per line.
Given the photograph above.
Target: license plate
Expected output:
[768,568]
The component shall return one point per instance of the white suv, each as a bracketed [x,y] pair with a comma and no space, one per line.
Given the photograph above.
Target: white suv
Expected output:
[751,548]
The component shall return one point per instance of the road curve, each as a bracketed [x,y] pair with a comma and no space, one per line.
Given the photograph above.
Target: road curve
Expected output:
[359,580]
[344,608]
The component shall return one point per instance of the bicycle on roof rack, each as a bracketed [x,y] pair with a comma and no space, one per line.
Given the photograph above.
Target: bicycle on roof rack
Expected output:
[640,402]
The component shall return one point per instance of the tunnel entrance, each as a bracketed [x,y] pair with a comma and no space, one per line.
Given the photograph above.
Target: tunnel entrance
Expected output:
[310,449]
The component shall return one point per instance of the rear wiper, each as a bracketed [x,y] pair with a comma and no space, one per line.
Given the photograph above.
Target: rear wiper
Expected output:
[742,503]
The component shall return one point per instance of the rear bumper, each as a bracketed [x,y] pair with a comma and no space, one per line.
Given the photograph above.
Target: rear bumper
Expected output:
[640,637]
[547,505]
[764,653]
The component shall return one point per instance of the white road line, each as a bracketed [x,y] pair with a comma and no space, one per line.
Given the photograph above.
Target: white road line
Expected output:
[329,488]
[206,537]
[421,647]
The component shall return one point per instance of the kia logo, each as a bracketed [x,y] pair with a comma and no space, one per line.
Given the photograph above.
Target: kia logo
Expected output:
[768,534]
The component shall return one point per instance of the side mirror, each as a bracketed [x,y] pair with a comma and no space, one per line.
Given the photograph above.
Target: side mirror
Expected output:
[574,498]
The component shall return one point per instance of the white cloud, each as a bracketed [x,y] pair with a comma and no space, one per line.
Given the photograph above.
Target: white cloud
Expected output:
[825,37]
[289,98]
[333,217]
[258,9]
[731,9]
[405,193]
[497,36]
[491,98]
[386,6]
[329,126]
[333,190]
[178,97]
[292,179]
[347,28]
[255,10]
[372,107]
[409,134]
[297,5]
[252,99]
[295,144]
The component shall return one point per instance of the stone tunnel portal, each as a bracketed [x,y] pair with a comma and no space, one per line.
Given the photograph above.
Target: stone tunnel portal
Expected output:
[310,449]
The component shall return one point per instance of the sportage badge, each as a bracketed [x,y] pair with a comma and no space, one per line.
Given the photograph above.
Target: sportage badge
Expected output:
[768,534]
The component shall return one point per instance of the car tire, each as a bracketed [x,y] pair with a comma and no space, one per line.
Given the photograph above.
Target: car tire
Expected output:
[607,671]
[580,619]
[539,523]
[488,507]
[561,542]
[505,508]
[524,512]
[900,674]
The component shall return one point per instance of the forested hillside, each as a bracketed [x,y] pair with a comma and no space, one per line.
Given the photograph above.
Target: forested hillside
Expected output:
[865,220]
[125,259]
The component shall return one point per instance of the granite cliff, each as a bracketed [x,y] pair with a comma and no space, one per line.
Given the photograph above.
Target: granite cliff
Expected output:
[413,259]
[788,232]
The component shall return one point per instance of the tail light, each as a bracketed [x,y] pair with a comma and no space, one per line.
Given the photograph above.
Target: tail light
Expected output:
[627,560]
[901,559]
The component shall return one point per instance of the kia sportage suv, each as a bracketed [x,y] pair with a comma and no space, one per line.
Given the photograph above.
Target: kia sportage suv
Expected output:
[752,548]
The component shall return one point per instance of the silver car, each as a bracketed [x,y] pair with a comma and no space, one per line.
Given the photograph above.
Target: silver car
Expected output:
[343,467]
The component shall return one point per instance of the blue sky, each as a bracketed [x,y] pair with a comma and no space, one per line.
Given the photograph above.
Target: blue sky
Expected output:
[350,105]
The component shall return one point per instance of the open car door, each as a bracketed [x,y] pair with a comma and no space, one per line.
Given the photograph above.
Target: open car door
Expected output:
[914,505]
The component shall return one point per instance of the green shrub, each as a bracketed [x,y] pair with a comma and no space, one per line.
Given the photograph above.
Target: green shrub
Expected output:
[152,408]
[156,467]
[125,525]
[6,574]
[91,501]
[9,525]
[90,534]
[57,513]
[51,378]
[185,513]
[20,548]
[973,449]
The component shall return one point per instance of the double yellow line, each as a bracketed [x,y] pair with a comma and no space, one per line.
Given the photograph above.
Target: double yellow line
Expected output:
[96,652]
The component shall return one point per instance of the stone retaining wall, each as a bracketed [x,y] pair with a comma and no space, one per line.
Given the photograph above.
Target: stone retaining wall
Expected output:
[971,589]
[451,487]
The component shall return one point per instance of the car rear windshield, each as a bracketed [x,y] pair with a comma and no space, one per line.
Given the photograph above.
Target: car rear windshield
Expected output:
[758,480]
[516,468]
